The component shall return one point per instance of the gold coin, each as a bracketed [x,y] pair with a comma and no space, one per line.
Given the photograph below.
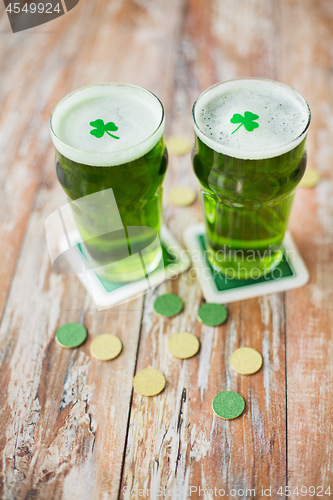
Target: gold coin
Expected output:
[182,196]
[106,346]
[149,382]
[183,345]
[246,360]
[178,145]
[310,178]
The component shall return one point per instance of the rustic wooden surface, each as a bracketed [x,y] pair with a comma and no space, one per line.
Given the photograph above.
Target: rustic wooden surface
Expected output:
[71,427]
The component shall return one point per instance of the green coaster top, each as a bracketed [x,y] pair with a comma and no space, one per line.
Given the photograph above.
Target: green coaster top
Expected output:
[228,405]
[212,314]
[168,305]
[71,335]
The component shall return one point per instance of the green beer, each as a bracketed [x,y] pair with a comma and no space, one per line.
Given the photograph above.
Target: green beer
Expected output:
[111,162]
[249,156]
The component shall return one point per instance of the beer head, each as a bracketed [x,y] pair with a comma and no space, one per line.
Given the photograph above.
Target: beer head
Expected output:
[107,124]
[251,118]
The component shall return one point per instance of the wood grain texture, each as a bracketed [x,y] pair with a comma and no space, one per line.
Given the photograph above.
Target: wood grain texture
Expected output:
[309,312]
[189,446]
[175,441]
[70,425]
[64,414]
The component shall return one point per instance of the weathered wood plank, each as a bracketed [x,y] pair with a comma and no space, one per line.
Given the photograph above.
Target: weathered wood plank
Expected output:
[64,415]
[28,91]
[175,441]
[309,313]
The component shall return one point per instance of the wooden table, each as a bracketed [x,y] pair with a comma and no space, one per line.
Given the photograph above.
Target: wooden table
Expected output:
[71,427]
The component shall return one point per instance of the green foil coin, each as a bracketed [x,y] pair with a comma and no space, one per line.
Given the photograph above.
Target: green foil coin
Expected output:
[71,335]
[228,405]
[212,314]
[168,305]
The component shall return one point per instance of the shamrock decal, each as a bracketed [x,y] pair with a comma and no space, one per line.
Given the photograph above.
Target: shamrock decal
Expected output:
[101,128]
[247,120]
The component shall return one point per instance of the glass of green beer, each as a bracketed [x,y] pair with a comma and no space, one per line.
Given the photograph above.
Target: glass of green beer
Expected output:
[249,156]
[111,162]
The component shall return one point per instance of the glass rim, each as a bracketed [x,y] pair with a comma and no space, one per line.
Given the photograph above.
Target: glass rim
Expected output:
[105,154]
[254,154]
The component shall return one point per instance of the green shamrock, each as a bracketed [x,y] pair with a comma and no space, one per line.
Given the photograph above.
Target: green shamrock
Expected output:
[101,128]
[246,120]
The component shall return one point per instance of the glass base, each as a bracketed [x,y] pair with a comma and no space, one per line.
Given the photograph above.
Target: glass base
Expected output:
[236,268]
[132,268]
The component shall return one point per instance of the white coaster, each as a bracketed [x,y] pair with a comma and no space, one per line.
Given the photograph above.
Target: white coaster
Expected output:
[107,294]
[290,273]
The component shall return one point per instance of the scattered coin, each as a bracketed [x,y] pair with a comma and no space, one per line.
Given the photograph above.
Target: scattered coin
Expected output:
[149,382]
[182,196]
[178,145]
[246,360]
[106,346]
[168,304]
[310,178]
[183,345]
[71,335]
[212,314]
[228,405]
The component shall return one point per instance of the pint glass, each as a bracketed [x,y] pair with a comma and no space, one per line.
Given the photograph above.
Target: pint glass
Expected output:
[249,156]
[111,162]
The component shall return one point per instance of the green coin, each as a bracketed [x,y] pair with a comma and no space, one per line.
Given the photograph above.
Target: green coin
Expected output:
[168,305]
[71,335]
[213,314]
[228,405]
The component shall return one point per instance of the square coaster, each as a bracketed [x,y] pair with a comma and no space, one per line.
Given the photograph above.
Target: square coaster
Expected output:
[290,273]
[107,293]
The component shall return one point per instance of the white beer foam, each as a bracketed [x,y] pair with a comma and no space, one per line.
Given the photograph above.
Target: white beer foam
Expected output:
[283,120]
[136,112]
